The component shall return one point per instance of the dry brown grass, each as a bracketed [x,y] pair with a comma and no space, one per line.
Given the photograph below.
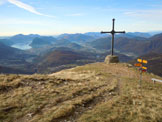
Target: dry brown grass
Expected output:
[90,93]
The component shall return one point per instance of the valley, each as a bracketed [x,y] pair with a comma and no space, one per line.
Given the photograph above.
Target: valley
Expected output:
[48,54]
[80,61]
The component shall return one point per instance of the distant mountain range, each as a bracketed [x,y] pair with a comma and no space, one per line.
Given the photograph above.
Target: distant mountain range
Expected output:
[63,57]
[15,60]
[8,52]
[135,35]
[137,46]
[154,62]
[38,42]
[49,54]
[96,35]
[152,33]
[79,38]
[20,38]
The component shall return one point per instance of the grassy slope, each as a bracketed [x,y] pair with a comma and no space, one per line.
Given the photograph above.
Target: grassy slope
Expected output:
[90,93]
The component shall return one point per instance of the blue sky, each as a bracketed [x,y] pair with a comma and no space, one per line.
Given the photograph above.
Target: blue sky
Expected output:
[51,17]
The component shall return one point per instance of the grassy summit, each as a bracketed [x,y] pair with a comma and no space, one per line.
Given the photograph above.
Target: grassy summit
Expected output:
[91,93]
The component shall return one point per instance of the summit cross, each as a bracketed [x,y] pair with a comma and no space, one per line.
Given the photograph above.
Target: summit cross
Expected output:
[113,33]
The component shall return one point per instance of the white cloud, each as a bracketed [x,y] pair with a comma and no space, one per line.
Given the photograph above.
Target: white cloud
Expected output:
[146,14]
[27,7]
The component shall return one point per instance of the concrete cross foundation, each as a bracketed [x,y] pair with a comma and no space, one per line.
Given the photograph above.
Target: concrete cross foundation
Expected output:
[111,59]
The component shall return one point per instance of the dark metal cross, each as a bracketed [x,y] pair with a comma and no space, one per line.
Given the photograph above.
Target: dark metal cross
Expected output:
[113,33]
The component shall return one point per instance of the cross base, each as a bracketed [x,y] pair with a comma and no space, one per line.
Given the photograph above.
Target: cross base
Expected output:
[111,59]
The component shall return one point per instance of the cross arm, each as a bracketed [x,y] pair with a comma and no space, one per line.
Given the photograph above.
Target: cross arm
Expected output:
[120,32]
[104,32]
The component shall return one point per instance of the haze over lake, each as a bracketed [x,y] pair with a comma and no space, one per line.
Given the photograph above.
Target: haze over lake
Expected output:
[22,46]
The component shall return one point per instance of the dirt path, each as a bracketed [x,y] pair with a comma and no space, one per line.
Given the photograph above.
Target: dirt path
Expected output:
[104,97]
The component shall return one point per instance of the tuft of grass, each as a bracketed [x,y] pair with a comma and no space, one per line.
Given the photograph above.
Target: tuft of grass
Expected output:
[134,104]
[90,93]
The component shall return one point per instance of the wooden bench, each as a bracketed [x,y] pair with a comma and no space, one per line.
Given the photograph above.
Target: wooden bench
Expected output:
[156,80]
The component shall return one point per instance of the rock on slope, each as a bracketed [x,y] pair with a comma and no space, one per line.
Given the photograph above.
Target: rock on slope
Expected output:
[90,93]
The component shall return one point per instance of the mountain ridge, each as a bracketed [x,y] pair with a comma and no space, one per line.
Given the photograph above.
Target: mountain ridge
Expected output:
[93,92]
[96,49]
